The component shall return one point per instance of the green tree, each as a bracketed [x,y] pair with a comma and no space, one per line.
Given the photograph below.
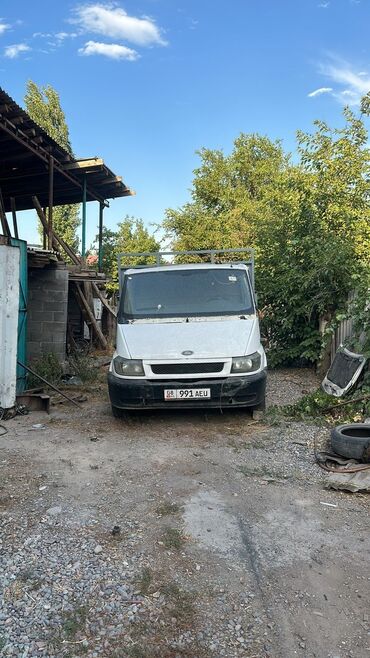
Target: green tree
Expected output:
[308,223]
[131,236]
[43,106]
[229,194]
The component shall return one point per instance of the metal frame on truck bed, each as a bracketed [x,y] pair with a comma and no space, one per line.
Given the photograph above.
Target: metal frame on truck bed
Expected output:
[159,256]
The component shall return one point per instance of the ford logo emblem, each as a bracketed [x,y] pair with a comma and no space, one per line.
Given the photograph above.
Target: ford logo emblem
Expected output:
[187,352]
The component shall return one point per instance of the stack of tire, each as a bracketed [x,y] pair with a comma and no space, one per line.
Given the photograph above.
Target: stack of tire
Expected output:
[352,441]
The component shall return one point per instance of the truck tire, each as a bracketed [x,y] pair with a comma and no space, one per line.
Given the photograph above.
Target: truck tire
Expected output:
[352,441]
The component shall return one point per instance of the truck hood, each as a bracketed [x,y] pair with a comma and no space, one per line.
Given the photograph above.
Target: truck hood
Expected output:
[206,339]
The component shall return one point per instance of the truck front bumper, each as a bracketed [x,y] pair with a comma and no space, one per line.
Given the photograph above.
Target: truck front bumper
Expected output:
[248,391]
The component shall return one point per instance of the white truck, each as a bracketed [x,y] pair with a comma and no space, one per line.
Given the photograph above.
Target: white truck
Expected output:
[187,335]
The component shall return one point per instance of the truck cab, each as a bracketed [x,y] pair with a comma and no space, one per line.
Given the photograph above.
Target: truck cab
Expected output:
[187,337]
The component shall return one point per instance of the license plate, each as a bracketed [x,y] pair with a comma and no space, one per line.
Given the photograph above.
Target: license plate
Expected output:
[186,394]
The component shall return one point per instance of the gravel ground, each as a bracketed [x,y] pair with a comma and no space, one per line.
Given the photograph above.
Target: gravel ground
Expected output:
[178,535]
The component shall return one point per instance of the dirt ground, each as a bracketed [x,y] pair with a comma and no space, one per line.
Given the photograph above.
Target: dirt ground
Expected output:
[226,535]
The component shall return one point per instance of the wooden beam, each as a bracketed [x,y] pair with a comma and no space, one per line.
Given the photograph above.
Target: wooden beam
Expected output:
[57,240]
[16,120]
[85,164]
[102,299]
[90,316]
[110,181]
[22,138]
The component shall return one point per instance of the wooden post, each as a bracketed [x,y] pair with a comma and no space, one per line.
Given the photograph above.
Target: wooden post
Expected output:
[44,232]
[103,300]
[14,215]
[85,306]
[51,201]
[56,240]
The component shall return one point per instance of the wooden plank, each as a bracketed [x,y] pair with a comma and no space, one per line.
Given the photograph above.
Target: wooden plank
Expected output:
[102,299]
[111,181]
[85,164]
[85,306]
[57,240]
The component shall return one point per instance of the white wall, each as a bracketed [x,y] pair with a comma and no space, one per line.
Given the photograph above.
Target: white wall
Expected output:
[9,301]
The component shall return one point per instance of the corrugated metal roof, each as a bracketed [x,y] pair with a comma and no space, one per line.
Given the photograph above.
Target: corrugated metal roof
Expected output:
[26,150]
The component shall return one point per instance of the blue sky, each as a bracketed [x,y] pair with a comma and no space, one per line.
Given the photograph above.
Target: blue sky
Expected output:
[146,83]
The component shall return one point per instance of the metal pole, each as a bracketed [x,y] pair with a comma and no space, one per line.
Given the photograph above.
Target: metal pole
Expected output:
[100,258]
[51,201]
[45,381]
[44,234]
[14,215]
[83,245]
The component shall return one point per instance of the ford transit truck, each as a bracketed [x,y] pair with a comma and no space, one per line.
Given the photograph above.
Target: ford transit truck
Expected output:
[187,334]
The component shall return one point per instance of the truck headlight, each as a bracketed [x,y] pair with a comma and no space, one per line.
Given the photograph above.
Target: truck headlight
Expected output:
[128,367]
[249,363]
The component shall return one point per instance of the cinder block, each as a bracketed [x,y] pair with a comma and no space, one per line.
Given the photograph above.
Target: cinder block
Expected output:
[55,296]
[34,334]
[35,316]
[60,316]
[33,349]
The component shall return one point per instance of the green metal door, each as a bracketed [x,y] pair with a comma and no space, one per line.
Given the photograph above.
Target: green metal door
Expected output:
[22,313]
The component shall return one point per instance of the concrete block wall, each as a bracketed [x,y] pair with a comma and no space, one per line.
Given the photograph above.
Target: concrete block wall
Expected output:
[47,312]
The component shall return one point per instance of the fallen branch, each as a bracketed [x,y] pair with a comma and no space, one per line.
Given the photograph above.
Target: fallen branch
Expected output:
[341,404]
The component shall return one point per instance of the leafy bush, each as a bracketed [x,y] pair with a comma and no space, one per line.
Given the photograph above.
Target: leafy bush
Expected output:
[49,367]
[309,224]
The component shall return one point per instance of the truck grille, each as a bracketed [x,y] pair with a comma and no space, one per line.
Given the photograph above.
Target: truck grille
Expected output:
[185,368]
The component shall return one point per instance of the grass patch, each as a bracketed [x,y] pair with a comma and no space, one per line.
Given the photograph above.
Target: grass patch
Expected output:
[181,604]
[260,471]
[28,577]
[145,581]
[49,367]
[82,366]
[134,652]
[74,622]
[173,538]
[166,509]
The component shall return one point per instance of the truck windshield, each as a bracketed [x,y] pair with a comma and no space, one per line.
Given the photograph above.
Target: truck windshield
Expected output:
[186,293]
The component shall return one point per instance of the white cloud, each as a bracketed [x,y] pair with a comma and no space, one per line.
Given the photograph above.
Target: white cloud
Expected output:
[114,22]
[318,92]
[42,35]
[15,50]
[351,86]
[112,50]
[61,36]
[3,27]
[324,5]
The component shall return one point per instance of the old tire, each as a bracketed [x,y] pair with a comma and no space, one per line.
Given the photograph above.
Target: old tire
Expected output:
[352,441]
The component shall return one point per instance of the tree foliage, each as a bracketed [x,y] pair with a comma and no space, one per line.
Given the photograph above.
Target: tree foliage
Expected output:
[43,106]
[131,236]
[308,223]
